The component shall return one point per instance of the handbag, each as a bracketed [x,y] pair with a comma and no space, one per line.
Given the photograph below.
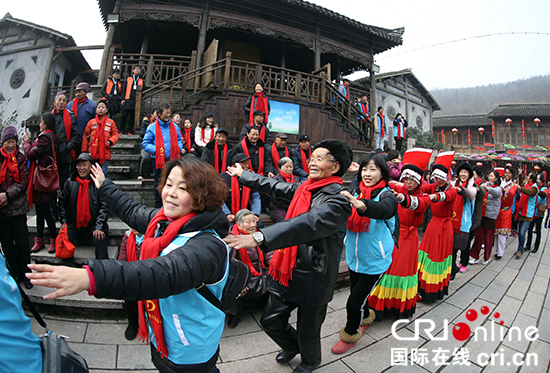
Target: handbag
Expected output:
[541,209]
[257,286]
[57,356]
[46,179]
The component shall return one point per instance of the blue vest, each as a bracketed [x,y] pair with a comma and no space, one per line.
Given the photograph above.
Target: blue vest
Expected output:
[467,215]
[371,252]
[20,349]
[541,200]
[532,205]
[192,326]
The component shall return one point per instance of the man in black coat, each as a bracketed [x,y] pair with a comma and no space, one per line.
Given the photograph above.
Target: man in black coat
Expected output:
[319,235]
[258,122]
[112,93]
[68,140]
[74,208]
[254,147]
[224,151]
[300,155]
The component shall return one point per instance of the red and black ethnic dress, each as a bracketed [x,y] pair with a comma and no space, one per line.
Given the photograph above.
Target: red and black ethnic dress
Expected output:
[435,254]
[395,294]
[504,219]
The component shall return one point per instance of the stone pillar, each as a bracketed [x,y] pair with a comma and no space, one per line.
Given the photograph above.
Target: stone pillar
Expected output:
[317,62]
[201,44]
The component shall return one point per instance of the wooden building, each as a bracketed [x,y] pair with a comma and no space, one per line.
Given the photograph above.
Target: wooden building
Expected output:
[207,55]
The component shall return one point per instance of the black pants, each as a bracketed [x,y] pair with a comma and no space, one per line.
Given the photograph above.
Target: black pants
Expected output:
[460,242]
[127,115]
[132,311]
[43,212]
[306,338]
[164,365]
[465,254]
[156,176]
[398,143]
[535,224]
[64,170]
[15,245]
[87,232]
[360,286]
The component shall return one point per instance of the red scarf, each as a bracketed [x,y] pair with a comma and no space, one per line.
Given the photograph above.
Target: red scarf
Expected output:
[99,144]
[284,260]
[30,188]
[217,158]
[244,254]
[400,129]
[365,107]
[75,108]
[358,223]
[83,215]
[260,105]
[238,202]
[159,143]
[211,135]
[288,178]
[131,252]
[187,137]
[347,90]
[521,207]
[275,155]
[10,162]
[151,247]
[68,124]
[382,125]
[260,156]
[304,159]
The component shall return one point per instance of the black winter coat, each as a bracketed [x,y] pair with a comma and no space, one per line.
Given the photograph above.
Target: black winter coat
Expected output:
[209,154]
[244,132]
[200,260]
[248,103]
[255,155]
[318,233]
[64,152]
[68,201]
[15,191]
[297,161]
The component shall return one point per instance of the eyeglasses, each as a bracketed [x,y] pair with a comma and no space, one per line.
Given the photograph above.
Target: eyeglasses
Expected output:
[319,160]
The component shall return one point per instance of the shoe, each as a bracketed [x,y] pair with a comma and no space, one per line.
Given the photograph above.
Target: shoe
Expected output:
[418,298]
[38,245]
[485,261]
[534,250]
[474,261]
[131,331]
[518,254]
[341,347]
[463,269]
[285,356]
[27,283]
[51,249]
[232,321]
[498,257]
[140,177]
[307,368]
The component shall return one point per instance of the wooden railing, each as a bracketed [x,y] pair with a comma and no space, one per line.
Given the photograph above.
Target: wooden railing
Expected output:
[236,75]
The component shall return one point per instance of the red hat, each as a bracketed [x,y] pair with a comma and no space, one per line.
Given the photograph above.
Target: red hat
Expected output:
[443,164]
[415,162]
[500,171]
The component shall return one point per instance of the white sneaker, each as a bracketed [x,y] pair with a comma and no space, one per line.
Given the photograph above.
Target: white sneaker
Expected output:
[485,262]
[140,177]
[474,261]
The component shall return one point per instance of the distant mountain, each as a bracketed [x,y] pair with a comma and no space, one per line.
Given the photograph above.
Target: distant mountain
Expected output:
[482,99]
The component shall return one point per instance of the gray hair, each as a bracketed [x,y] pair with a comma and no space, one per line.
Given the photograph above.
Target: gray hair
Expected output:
[60,93]
[283,161]
[239,218]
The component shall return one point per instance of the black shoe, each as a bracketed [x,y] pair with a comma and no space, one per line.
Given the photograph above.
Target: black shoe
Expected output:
[307,368]
[27,283]
[131,331]
[286,356]
[497,257]
[534,250]
[232,321]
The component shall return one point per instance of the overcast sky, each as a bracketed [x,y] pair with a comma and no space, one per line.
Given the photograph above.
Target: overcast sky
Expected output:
[465,63]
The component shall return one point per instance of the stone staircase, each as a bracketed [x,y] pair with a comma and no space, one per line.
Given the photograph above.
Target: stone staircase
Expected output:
[125,158]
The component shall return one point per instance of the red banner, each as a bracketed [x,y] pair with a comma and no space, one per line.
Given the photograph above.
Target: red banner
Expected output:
[523,128]
[443,137]
[468,137]
[493,128]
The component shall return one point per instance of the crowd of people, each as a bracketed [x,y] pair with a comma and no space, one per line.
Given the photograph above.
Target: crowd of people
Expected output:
[209,197]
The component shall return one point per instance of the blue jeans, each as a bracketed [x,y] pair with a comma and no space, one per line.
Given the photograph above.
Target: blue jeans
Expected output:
[105,168]
[523,227]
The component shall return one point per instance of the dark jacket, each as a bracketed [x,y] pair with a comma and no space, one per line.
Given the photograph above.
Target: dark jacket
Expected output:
[318,234]
[244,132]
[254,155]
[130,102]
[144,124]
[64,152]
[68,201]
[42,153]
[113,99]
[209,153]
[248,103]
[278,208]
[478,207]
[297,161]
[200,260]
[15,191]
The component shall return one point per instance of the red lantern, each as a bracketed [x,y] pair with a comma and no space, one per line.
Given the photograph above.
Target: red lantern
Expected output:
[455,130]
[453,163]
[493,128]
[537,121]
[443,137]
[479,164]
[481,130]
[537,168]
[523,128]
[468,137]
[509,121]
[509,165]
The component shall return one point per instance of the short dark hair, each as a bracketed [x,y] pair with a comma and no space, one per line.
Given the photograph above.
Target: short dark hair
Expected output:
[133,67]
[379,107]
[497,176]
[248,129]
[532,176]
[509,169]
[392,154]
[163,107]
[380,164]
[103,102]
[208,191]
[477,170]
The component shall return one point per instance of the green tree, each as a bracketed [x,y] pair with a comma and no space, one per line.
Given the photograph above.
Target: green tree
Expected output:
[423,139]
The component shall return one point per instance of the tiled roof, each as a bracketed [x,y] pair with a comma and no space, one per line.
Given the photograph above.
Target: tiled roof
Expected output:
[520,110]
[473,120]
[66,37]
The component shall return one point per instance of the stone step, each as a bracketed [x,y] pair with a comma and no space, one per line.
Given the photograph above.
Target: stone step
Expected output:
[126,148]
[81,255]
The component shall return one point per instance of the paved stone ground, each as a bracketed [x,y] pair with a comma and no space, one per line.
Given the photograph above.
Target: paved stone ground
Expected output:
[516,289]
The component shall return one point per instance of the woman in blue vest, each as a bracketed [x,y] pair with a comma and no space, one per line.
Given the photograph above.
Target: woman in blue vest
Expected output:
[539,216]
[369,244]
[182,250]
